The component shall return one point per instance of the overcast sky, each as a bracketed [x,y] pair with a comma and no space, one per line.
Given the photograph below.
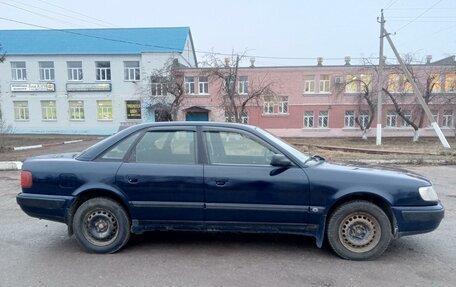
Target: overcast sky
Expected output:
[286,28]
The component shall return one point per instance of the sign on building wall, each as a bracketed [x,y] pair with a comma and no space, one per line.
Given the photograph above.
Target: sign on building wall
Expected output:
[83,87]
[133,110]
[36,87]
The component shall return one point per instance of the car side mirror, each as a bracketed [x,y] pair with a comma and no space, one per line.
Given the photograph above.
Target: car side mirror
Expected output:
[280,160]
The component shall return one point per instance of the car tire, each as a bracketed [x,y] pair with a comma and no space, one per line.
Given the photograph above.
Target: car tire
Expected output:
[359,230]
[101,225]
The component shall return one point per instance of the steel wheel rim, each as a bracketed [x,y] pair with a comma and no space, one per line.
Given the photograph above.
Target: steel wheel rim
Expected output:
[359,232]
[100,227]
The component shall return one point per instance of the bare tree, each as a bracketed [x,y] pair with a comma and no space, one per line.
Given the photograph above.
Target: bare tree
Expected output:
[236,91]
[428,79]
[166,90]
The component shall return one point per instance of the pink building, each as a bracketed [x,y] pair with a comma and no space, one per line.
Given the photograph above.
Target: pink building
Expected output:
[326,101]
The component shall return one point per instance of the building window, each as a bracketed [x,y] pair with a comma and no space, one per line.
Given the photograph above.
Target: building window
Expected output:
[435,83]
[157,87]
[47,71]
[243,85]
[203,85]
[324,84]
[363,118]
[244,117]
[268,105]
[48,111]
[365,84]
[447,119]
[349,119]
[104,110]
[391,119]
[309,84]
[309,119]
[77,110]
[74,71]
[323,119]
[190,85]
[283,105]
[393,83]
[131,71]
[351,85]
[450,83]
[435,117]
[18,71]
[103,71]
[21,111]
[408,116]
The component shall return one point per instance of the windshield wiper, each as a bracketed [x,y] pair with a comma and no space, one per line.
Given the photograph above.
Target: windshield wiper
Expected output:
[315,157]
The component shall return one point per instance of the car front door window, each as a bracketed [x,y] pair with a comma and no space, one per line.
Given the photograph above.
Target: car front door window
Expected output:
[226,147]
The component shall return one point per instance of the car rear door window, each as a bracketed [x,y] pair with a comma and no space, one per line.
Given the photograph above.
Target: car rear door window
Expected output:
[119,150]
[165,147]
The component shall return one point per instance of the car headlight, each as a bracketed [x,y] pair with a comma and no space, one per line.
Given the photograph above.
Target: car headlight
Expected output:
[428,193]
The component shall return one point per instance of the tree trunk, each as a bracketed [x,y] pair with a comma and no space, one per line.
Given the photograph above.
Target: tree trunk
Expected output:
[416,135]
[364,136]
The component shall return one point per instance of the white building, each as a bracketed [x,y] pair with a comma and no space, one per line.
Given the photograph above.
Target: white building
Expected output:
[83,81]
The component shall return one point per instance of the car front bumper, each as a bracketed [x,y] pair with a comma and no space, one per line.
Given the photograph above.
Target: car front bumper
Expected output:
[418,219]
[50,207]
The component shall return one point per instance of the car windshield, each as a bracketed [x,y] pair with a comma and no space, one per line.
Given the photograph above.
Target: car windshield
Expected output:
[296,153]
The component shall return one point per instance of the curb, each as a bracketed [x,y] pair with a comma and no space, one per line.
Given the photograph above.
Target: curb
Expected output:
[47,145]
[10,165]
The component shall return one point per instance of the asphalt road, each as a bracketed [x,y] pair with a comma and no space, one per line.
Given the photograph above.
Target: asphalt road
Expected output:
[39,253]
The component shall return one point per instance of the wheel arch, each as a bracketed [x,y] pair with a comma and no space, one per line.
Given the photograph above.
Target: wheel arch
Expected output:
[374,198]
[83,195]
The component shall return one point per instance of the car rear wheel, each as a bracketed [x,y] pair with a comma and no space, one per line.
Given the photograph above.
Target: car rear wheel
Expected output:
[101,225]
[359,230]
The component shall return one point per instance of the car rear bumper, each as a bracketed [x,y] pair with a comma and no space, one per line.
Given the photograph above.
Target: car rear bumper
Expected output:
[50,207]
[418,219]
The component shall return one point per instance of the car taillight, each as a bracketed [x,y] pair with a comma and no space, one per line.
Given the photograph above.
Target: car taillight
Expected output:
[26,179]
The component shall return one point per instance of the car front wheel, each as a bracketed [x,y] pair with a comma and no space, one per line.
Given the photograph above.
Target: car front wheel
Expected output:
[359,230]
[101,225]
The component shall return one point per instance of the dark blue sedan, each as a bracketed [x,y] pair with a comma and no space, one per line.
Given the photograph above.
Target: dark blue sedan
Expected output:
[223,177]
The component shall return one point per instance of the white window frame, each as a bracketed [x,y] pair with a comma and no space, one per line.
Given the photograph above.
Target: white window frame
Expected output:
[448,119]
[21,113]
[309,85]
[190,85]
[450,83]
[203,85]
[309,120]
[407,114]
[74,73]
[47,73]
[283,105]
[435,116]
[349,119]
[363,118]
[48,113]
[268,106]
[325,84]
[321,119]
[18,73]
[131,73]
[391,116]
[103,74]
[243,85]
[76,110]
[351,84]
[104,110]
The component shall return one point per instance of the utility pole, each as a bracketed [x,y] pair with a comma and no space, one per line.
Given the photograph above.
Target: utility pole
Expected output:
[418,93]
[380,81]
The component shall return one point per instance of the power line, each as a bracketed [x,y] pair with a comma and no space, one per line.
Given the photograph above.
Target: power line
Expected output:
[36,13]
[391,3]
[74,32]
[78,13]
[59,13]
[417,17]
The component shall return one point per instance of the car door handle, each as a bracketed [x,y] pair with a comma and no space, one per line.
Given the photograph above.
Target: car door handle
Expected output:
[132,180]
[221,181]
